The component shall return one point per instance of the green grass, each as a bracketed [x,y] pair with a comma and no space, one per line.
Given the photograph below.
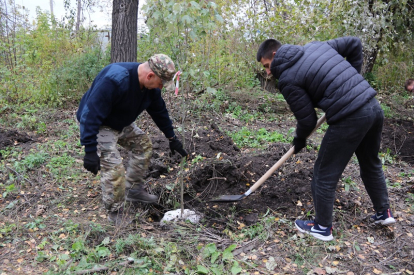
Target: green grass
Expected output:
[322,128]
[349,184]
[257,139]
[386,157]
[388,113]
[197,159]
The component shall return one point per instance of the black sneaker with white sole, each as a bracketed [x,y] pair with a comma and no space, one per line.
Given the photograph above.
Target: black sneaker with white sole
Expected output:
[312,228]
[385,217]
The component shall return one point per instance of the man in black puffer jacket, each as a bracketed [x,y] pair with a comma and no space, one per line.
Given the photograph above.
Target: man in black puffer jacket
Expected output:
[317,76]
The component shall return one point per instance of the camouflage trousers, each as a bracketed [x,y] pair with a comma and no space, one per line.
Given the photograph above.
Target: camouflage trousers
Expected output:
[114,180]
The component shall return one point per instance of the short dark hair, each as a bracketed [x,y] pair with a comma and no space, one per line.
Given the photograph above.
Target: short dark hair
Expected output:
[267,48]
[408,82]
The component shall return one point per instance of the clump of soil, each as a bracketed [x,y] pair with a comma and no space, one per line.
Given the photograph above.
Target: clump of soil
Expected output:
[398,138]
[12,137]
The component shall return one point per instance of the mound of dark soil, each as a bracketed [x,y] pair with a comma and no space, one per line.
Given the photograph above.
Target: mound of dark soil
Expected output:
[398,138]
[227,171]
[289,186]
[12,137]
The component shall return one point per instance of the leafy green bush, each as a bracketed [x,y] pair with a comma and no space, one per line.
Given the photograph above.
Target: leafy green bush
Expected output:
[46,64]
[74,76]
[372,80]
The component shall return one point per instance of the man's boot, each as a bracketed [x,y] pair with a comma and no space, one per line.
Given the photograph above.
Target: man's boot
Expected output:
[139,195]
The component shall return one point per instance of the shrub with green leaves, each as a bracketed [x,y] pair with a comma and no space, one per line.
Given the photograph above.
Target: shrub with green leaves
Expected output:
[47,64]
[219,260]
[71,79]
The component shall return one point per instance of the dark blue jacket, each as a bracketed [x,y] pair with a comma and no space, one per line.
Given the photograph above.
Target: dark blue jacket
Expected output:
[317,76]
[115,100]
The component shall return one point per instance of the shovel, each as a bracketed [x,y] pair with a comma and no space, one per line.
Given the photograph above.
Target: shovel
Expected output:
[233,198]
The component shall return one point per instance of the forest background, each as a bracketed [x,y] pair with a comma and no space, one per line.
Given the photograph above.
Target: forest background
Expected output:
[214,43]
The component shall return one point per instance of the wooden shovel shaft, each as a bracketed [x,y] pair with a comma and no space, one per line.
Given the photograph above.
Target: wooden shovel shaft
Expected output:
[281,161]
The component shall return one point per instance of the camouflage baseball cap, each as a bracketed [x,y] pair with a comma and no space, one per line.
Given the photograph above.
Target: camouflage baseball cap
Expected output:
[162,66]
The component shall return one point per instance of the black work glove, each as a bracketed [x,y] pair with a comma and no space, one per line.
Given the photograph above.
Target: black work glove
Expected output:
[176,145]
[299,144]
[91,162]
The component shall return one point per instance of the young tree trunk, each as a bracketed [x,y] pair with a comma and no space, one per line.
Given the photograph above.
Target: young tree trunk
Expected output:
[369,61]
[124,31]
[78,16]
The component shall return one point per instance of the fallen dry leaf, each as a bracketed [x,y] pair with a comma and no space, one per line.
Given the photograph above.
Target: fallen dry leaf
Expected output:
[271,264]
[147,227]
[92,195]
[40,210]
[330,270]
[319,271]
[376,271]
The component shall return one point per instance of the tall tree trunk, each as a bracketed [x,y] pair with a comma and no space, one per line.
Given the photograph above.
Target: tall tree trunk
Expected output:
[124,31]
[52,16]
[78,16]
[51,8]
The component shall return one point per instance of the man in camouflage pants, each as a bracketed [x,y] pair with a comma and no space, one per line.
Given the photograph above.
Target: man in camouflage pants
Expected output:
[107,111]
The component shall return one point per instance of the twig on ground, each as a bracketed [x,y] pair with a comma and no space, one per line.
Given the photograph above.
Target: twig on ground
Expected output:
[20,175]
[246,247]
[65,267]
[95,269]
[217,178]
[126,263]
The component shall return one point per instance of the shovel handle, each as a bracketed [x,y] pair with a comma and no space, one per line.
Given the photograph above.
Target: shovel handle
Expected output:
[281,161]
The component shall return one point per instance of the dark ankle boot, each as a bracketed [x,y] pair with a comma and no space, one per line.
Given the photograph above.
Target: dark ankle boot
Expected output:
[135,195]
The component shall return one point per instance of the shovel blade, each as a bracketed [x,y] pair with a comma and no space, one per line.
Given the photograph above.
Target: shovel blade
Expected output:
[228,198]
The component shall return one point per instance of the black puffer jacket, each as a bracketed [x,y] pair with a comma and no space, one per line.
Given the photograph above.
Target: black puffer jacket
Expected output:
[318,76]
